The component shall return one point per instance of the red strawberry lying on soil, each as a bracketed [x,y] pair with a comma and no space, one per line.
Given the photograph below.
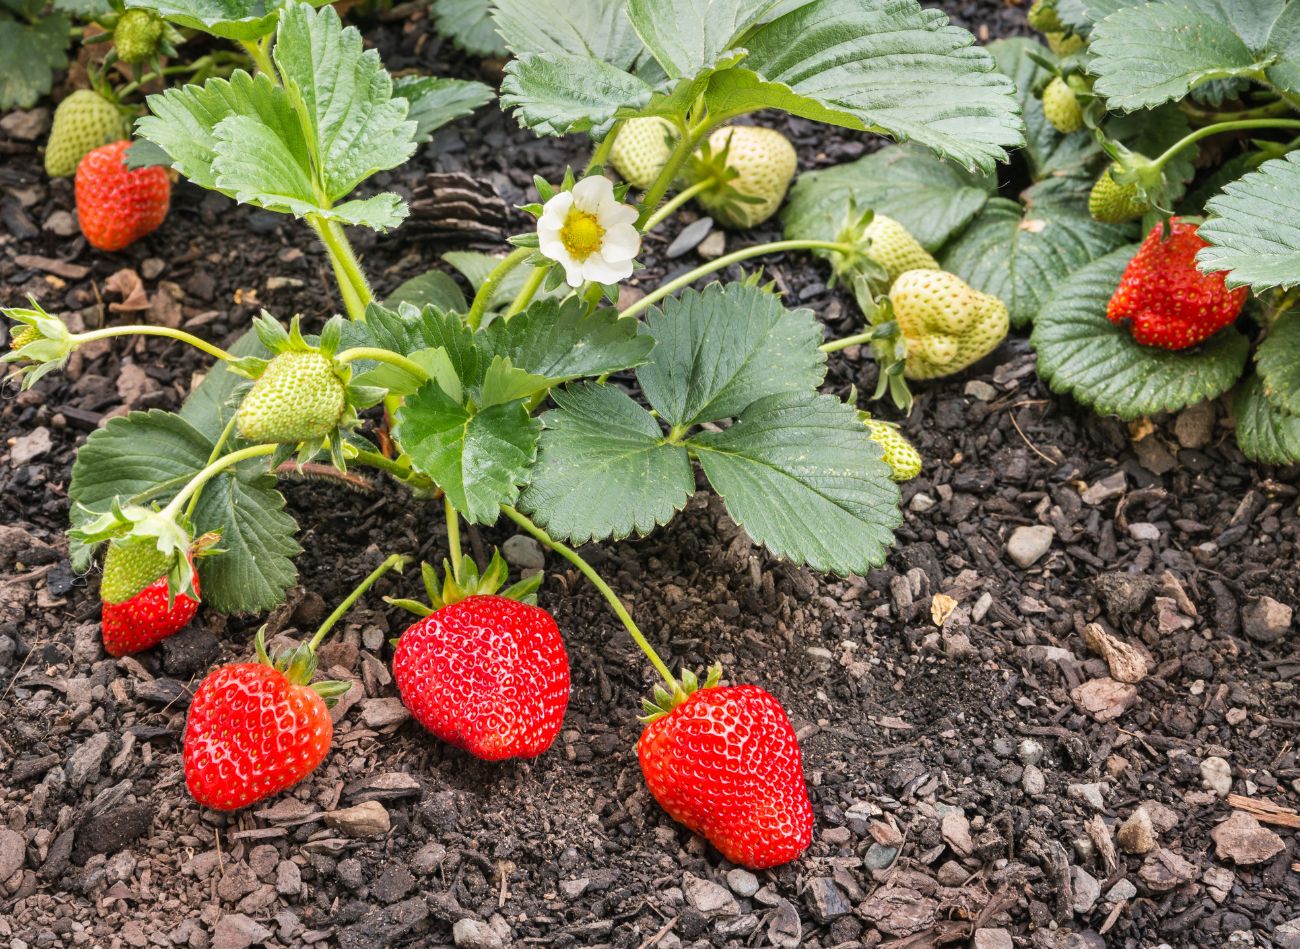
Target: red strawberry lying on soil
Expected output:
[487,674]
[1166,301]
[115,204]
[145,619]
[725,762]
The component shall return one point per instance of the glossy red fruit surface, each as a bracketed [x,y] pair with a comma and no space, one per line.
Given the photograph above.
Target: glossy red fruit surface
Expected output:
[487,674]
[145,620]
[726,764]
[252,733]
[116,205]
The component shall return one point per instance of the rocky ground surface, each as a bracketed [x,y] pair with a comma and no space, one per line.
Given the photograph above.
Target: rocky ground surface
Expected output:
[1065,713]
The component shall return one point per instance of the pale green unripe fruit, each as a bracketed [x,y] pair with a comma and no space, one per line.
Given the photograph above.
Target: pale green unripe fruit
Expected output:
[298,398]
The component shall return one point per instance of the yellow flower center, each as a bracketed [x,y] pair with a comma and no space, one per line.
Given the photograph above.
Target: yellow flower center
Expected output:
[581,234]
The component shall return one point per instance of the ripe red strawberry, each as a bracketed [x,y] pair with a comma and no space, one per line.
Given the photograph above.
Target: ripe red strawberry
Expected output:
[1166,301]
[487,674]
[145,619]
[115,204]
[725,762]
[251,733]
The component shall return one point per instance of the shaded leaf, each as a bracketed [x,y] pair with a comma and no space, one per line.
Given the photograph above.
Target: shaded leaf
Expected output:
[1264,432]
[432,101]
[1277,361]
[1254,228]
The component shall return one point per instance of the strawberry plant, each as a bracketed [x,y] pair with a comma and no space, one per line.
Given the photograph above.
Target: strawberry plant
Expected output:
[502,406]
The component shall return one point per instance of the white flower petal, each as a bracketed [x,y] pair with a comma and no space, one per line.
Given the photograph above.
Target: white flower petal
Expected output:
[592,191]
[604,271]
[573,272]
[621,243]
[551,246]
[618,214]
[555,210]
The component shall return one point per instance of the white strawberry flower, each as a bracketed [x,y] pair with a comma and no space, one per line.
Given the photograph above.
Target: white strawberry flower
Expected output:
[590,233]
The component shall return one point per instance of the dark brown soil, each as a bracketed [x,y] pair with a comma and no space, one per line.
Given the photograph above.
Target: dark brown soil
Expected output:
[959,779]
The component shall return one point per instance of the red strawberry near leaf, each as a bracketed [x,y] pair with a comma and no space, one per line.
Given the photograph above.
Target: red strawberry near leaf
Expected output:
[146,618]
[258,728]
[488,674]
[1165,300]
[117,205]
[725,762]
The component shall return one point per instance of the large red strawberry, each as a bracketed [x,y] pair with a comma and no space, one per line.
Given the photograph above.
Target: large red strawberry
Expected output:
[725,762]
[1166,301]
[117,205]
[252,732]
[487,674]
[136,613]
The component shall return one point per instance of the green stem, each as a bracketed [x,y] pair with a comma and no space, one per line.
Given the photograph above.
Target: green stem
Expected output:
[610,596]
[675,202]
[260,56]
[199,64]
[686,279]
[141,330]
[835,345]
[1269,110]
[215,454]
[396,560]
[453,538]
[1219,128]
[211,471]
[399,471]
[600,157]
[384,355]
[353,286]
[528,290]
[488,290]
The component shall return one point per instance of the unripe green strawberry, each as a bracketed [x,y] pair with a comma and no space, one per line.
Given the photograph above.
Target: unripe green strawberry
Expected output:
[298,398]
[1114,203]
[83,121]
[895,249]
[136,35]
[760,164]
[1063,44]
[131,565]
[1061,106]
[1042,16]
[641,150]
[902,457]
[947,324]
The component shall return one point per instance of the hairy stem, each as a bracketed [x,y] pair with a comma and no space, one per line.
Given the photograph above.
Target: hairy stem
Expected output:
[1218,128]
[571,555]
[528,290]
[498,273]
[758,250]
[1273,109]
[353,286]
[835,345]
[216,453]
[142,330]
[453,537]
[675,202]
[374,459]
[196,483]
[384,355]
[600,157]
[395,561]
[260,55]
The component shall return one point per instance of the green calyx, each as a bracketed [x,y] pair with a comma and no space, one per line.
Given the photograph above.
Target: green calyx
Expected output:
[144,545]
[40,343]
[298,666]
[455,586]
[301,397]
[888,346]
[686,685]
[137,35]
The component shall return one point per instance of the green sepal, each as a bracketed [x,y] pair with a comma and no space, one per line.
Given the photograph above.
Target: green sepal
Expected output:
[446,590]
[331,690]
[524,240]
[137,523]
[272,334]
[44,342]
[544,188]
[250,367]
[554,278]
[688,683]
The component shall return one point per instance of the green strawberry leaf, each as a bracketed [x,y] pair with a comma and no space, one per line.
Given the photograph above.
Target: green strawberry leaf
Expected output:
[505,382]
[432,102]
[801,474]
[932,198]
[562,341]
[688,37]
[1047,152]
[431,288]
[1021,254]
[559,93]
[1158,52]
[83,9]
[604,468]
[1264,432]
[1278,362]
[149,456]
[478,458]
[468,24]
[595,29]
[1083,354]
[723,348]
[29,55]
[877,65]
[230,19]
[1254,228]
[302,150]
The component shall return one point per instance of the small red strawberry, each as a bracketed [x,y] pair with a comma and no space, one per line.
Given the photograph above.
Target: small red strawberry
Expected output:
[146,619]
[487,674]
[1166,301]
[724,761]
[117,205]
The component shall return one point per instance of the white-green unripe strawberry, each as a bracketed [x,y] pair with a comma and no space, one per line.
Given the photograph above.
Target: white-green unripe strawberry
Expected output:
[900,454]
[298,398]
[1061,106]
[137,35]
[641,149]
[83,121]
[946,323]
[1064,44]
[894,248]
[753,168]
[1113,203]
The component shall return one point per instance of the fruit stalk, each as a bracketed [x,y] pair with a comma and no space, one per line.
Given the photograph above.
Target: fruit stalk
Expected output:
[527,291]
[857,339]
[257,52]
[384,355]
[675,202]
[498,273]
[216,453]
[758,250]
[196,483]
[1205,132]
[571,555]
[142,330]
[600,157]
[353,286]
[453,539]
[397,561]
